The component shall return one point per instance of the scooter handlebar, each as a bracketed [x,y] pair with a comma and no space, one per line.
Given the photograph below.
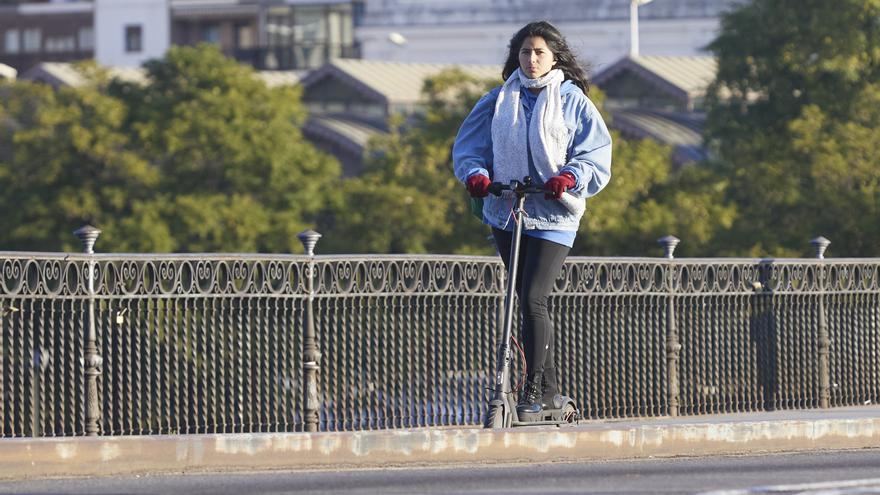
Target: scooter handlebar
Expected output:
[516,186]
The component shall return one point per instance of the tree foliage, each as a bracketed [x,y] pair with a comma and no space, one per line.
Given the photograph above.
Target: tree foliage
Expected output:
[648,198]
[793,119]
[66,160]
[202,157]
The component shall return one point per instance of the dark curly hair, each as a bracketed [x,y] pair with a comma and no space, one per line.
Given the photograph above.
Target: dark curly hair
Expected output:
[565,59]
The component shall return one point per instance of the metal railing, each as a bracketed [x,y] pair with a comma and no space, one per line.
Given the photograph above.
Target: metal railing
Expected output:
[207,343]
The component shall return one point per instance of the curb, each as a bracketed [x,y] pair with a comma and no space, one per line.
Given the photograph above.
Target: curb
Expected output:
[103,456]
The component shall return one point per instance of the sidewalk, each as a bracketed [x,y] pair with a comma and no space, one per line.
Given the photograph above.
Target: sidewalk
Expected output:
[780,431]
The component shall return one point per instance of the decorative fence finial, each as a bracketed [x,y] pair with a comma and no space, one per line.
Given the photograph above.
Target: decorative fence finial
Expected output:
[309,238]
[669,242]
[88,235]
[820,244]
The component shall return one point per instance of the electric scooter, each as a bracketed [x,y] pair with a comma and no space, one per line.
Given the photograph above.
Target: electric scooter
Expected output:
[502,411]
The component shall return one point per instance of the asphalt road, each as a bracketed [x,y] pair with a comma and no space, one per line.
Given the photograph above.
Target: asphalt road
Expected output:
[825,473]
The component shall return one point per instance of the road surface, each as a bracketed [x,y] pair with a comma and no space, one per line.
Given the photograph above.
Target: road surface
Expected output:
[821,473]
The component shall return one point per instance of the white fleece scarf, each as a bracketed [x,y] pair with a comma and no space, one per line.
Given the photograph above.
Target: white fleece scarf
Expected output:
[546,132]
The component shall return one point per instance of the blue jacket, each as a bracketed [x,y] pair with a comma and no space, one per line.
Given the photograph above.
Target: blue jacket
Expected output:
[588,158]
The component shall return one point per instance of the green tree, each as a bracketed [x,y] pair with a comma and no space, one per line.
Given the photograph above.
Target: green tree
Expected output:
[649,197]
[236,173]
[202,157]
[787,118]
[841,157]
[66,160]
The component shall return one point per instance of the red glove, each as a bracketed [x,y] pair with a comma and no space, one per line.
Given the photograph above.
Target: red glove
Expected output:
[478,185]
[558,185]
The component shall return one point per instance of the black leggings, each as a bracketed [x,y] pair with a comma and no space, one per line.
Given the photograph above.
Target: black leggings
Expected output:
[539,264]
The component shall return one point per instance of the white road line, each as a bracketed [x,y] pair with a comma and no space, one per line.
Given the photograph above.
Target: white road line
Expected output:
[823,488]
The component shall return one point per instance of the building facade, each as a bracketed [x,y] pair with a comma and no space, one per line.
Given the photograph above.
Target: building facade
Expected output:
[34,32]
[478,31]
[268,34]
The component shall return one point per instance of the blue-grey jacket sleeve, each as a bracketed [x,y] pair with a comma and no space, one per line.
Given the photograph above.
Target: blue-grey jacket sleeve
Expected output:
[472,151]
[589,156]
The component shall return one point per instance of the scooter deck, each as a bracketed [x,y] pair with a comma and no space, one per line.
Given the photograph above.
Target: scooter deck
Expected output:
[559,423]
[567,414]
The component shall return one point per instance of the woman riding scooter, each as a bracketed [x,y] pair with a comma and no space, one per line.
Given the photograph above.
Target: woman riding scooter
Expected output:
[538,124]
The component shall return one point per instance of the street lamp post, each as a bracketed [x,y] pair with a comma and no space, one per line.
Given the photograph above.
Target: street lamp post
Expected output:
[92,359]
[634,25]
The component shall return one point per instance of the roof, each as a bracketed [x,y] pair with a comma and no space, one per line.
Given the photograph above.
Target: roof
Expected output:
[274,78]
[7,72]
[685,77]
[67,7]
[394,82]
[682,131]
[54,73]
[348,134]
[65,74]
[212,8]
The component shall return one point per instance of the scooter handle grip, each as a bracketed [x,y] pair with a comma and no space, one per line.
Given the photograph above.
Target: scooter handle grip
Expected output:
[496,188]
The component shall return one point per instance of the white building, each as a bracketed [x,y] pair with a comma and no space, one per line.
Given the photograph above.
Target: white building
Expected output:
[478,31]
[130,32]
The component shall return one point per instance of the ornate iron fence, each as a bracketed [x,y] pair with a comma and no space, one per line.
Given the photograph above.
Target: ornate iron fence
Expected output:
[204,343]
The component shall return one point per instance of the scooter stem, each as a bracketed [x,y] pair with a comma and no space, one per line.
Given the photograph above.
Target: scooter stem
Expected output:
[502,382]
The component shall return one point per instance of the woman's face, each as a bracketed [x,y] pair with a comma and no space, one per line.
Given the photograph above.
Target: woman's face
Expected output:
[535,58]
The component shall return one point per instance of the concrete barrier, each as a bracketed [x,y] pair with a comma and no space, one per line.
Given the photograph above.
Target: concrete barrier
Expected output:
[691,436]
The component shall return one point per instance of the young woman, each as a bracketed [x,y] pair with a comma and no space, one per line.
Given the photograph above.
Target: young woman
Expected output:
[541,124]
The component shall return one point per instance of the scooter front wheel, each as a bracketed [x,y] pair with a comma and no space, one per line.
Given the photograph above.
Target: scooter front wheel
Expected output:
[495,417]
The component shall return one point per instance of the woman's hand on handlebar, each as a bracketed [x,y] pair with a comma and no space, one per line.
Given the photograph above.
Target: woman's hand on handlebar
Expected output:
[558,185]
[478,185]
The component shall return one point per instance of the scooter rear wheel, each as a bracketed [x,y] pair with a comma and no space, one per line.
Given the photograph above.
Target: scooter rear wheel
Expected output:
[569,413]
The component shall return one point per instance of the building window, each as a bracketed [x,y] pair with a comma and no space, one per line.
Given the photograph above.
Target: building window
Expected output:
[61,44]
[279,28]
[210,33]
[309,24]
[133,39]
[86,38]
[33,40]
[359,12]
[11,42]
[246,36]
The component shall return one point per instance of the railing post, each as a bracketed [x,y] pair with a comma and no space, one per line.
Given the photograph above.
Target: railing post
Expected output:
[820,244]
[88,235]
[311,355]
[673,346]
